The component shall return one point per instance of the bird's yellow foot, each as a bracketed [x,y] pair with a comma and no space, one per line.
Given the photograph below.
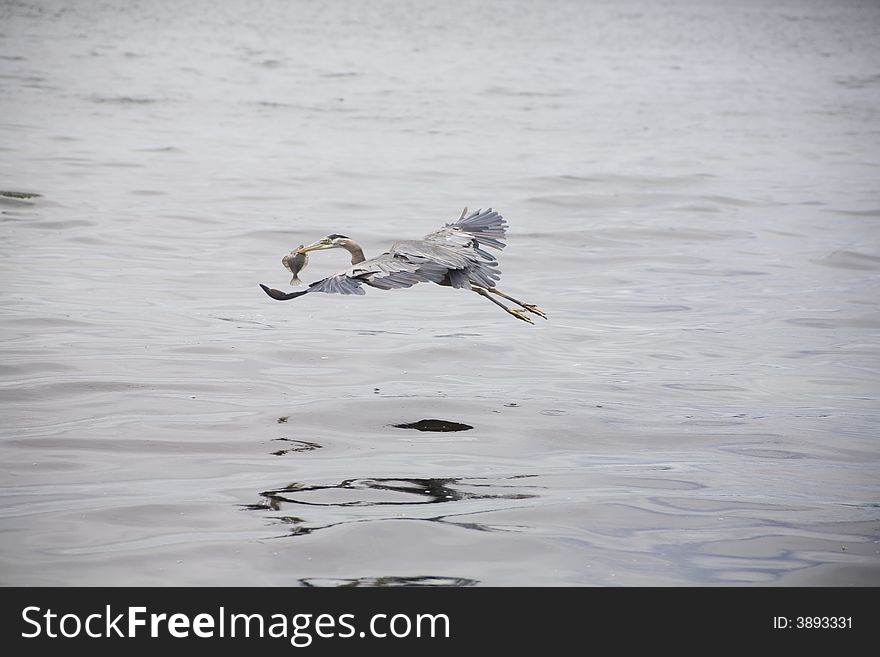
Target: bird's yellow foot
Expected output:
[534,309]
[519,314]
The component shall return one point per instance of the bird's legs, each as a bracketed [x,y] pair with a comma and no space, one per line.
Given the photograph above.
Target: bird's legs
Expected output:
[519,314]
[528,306]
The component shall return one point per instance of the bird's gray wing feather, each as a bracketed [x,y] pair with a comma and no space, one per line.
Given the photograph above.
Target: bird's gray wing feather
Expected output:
[453,254]
[486,227]
[386,271]
[460,244]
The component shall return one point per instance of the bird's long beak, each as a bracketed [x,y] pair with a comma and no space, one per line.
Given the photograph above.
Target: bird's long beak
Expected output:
[314,246]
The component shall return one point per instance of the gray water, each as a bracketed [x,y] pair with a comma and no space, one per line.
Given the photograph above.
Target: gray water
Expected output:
[692,193]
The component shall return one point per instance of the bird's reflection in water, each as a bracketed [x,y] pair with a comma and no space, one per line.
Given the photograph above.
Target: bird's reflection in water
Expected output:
[397,492]
[435,425]
[427,491]
[295,446]
[388,581]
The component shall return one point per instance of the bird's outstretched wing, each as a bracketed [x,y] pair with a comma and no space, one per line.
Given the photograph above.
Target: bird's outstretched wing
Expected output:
[480,228]
[386,271]
[465,239]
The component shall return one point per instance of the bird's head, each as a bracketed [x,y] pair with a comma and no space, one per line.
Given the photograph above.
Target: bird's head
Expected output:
[334,241]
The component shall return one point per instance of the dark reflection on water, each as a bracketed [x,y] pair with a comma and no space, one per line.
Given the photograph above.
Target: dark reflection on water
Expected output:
[426,580]
[19,196]
[379,492]
[295,446]
[295,525]
[425,491]
[435,425]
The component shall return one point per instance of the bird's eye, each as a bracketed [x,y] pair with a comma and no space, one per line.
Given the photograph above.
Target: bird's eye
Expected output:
[326,240]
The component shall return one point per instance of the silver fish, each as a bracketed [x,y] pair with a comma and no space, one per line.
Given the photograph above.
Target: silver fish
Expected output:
[295,261]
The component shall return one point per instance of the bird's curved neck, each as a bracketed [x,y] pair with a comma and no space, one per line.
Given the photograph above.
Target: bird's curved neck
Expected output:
[357,253]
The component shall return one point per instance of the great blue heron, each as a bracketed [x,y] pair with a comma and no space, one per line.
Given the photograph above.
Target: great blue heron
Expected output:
[452,256]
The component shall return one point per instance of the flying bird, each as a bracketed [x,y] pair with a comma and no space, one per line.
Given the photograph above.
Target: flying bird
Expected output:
[454,256]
